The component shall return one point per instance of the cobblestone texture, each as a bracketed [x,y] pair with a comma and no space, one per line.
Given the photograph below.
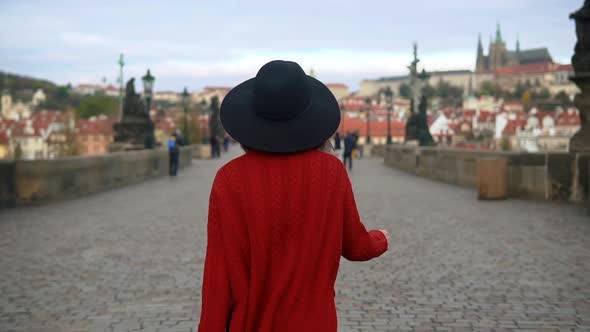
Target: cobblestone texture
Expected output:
[131,259]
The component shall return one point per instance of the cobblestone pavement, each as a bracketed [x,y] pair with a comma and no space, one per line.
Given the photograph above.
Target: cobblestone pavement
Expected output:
[131,259]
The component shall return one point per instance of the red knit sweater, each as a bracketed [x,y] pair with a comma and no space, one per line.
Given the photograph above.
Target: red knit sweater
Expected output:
[278,225]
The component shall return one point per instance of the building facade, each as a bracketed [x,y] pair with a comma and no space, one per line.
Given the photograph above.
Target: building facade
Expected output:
[339,90]
[94,136]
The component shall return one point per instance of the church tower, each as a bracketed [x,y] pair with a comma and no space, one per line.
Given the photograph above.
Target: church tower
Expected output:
[480,64]
[498,53]
[5,100]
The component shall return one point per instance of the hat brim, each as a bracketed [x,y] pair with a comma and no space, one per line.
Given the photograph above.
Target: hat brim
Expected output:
[308,130]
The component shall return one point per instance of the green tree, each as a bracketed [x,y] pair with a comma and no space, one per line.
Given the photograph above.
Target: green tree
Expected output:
[215,127]
[194,127]
[505,144]
[563,98]
[519,90]
[544,94]
[96,105]
[490,88]
[61,98]
[428,91]
[405,90]
[526,100]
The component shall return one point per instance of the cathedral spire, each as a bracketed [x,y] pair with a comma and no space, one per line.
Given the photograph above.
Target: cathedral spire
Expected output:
[517,43]
[479,62]
[498,34]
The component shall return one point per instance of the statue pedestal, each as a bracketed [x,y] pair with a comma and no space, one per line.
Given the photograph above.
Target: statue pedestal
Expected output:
[580,142]
[205,151]
[123,146]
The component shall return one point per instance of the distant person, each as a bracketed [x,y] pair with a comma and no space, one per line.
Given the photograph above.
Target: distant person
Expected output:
[173,154]
[215,148]
[225,143]
[337,141]
[349,146]
[283,214]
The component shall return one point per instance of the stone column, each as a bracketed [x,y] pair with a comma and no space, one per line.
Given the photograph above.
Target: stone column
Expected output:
[580,142]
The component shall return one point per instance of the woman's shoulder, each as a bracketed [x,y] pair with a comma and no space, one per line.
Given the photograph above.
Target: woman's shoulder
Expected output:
[230,167]
[250,161]
[328,158]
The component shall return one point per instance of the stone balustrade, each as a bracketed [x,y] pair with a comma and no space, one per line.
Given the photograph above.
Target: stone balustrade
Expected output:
[545,176]
[26,182]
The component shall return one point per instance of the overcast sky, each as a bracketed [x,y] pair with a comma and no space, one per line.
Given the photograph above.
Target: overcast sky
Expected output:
[199,43]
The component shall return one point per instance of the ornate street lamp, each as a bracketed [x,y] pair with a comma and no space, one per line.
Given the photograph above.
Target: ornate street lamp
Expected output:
[185,103]
[202,122]
[389,100]
[368,103]
[148,87]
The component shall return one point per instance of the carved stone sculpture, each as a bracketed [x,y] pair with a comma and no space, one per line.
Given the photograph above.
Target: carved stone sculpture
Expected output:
[135,127]
[580,142]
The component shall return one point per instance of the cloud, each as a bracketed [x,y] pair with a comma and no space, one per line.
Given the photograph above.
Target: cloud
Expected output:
[226,41]
[83,39]
[349,66]
[327,61]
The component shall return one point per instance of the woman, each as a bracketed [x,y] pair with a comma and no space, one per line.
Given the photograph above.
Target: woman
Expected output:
[282,215]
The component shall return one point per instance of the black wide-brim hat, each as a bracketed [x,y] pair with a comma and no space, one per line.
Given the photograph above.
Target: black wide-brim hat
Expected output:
[281,110]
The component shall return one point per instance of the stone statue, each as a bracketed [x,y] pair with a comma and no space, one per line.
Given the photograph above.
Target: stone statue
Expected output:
[581,58]
[135,128]
[580,142]
[424,137]
[215,127]
[411,124]
[417,126]
[133,108]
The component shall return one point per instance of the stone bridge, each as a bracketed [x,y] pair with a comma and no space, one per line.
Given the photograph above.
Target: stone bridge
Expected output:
[130,259]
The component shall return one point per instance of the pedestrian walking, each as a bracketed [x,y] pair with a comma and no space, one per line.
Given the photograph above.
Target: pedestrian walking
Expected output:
[337,145]
[282,214]
[173,154]
[215,148]
[225,143]
[349,145]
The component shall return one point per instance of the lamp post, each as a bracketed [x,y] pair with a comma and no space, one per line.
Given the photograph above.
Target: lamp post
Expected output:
[121,86]
[185,103]
[202,124]
[389,99]
[368,103]
[148,87]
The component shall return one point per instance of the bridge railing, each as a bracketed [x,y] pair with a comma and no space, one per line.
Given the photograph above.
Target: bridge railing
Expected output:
[25,182]
[547,176]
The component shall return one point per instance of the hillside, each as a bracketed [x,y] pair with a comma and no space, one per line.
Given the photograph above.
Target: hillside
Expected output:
[18,83]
